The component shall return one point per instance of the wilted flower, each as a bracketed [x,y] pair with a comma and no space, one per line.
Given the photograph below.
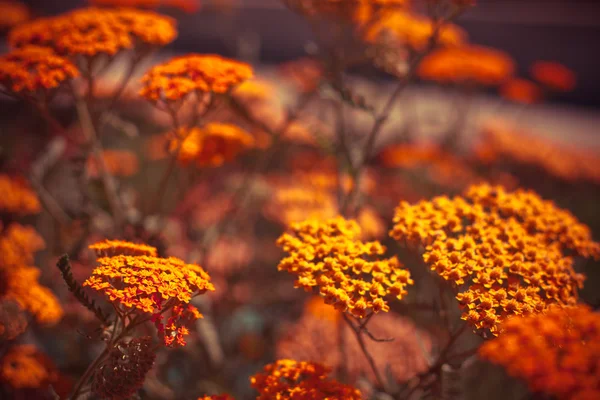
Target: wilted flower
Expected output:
[503,252]
[17,196]
[329,255]
[555,353]
[12,319]
[553,75]
[25,367]
[296,380]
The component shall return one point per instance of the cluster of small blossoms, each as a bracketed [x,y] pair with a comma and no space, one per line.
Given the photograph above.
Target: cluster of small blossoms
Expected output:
[194,73]
[297,380]
[467,64]
[34,69]
[503,252]
[152,285]
[111,248]
[555,353]
[124,372]
[329,255]
[92,31]
[298,202]
[212,145]
[25,367]
[344,9]
[17,197]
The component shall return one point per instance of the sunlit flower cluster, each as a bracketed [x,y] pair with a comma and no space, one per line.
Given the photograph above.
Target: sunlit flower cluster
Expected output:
[501,141]
[23,367]
[329,256]
[181,76]
[92,31]
[111,248]
[503,252]
[33,69]
[296,380]
[122,163]
[553,75]
[153,285]
[211,145]
[124,372]
[316,336]
[468,64]
[13,13]
[217,397]
[298,202]
[17,197]
[555,353]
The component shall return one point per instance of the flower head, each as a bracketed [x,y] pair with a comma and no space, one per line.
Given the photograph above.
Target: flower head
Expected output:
[329,255]
[33,69]
[153,285]
[124,372]
[521,91]
[289,379]
[111,248]
[467,64]
[554,75]
[13,13]
[25,367]
[17,196]
[556,352]
[503,252]
[181,76]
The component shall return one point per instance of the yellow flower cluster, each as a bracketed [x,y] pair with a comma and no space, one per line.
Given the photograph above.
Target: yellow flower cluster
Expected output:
[502,251]
[152,285]
[18,281]
[180,76]
[23,367]
[212,145]
[300,380]
[468,64]
[92,31]
[329,255]
[32,69]
[17,197]
[555,353]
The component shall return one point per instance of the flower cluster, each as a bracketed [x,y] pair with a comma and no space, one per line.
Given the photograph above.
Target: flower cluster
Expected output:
[92,31]
[152,285]
[467,64]
[553,75]
[296,380]
[111,248]
[298,202]
[403,359]
[121,163]
[17,197]
[329,255]
[181,76]
[502,251]
[24,366]
[556,352]
[212,145]
[521,91]
[124,372]
[13,13]
[33,69]
[20,282]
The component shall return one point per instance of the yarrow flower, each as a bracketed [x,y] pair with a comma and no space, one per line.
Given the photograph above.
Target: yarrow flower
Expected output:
[328,255]
[555,353]
[25,367]
[17,196]
[553,75]
[13,13]
[111,248]
[211,145]
[124,372]
[152,285]
[299,380]
[34,69]
[194,73]
[467,64]
[92,31]
[503,252]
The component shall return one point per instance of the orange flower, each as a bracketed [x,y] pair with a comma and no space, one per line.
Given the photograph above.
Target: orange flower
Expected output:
[295,203]
[553,75]
[467,64]
[296,380]
[25,367]
[328,255]
[212,145]
[111,248]
[410,30]
[152,285]
[17,196]
[33,69]
[521,91]
[555,353]
[92,31]
[181,76]
[13,13]
[502,251]
[121,163]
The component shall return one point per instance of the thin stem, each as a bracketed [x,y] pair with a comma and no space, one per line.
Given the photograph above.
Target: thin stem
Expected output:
[88,372]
